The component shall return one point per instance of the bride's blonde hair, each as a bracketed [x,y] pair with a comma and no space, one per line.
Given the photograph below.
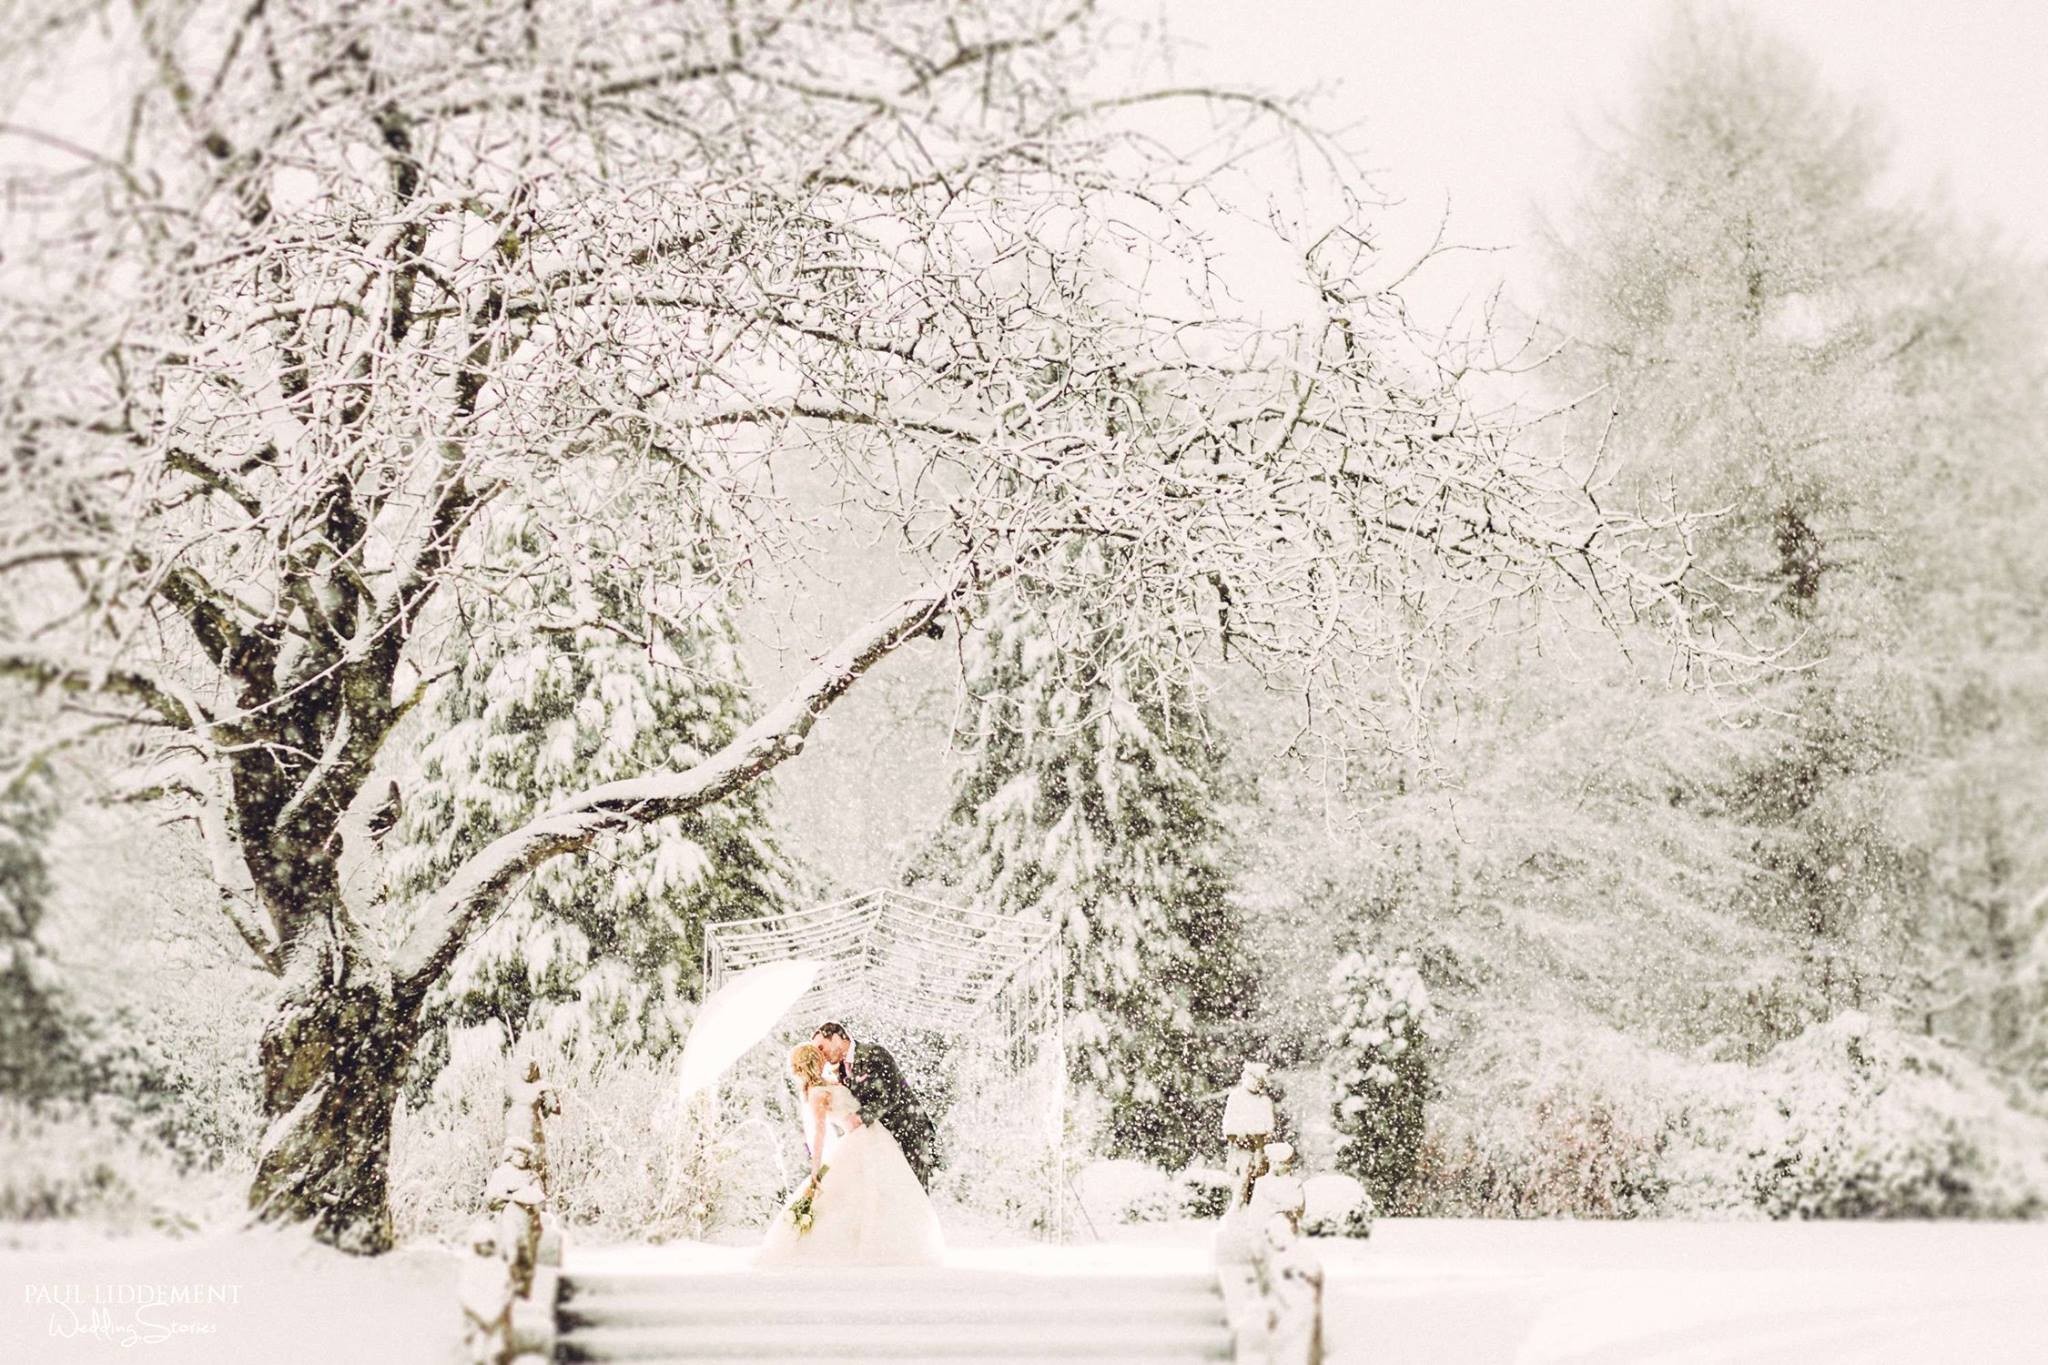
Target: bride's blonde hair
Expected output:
[807,1064]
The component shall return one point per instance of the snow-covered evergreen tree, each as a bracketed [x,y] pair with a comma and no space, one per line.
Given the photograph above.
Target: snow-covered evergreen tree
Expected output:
[39,1045]
[1379,1051]
[1093,800]
[625,675]
[1852,386]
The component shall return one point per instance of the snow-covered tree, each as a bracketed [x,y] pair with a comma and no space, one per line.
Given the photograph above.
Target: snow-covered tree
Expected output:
[343,274]
[40,1048]
[1094,800]
[1731,280]
[1379,1038]
[1849,384]
[582,668]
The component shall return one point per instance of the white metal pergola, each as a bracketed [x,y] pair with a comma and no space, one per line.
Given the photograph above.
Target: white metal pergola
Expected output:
[970,1002]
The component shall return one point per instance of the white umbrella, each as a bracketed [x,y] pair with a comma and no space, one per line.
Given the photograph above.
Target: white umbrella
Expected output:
[739,1014]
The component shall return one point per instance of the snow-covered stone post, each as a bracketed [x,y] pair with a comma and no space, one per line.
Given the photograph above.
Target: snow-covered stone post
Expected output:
[1248,1123]
[485,1289]
[514,1193]
[1291,1280]
[1279,1193]
[1272,1280]
[524,1239]
[527,1099]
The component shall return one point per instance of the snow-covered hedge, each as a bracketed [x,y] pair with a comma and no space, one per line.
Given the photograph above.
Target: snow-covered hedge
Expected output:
[1335,1205]
[1864,1121]
[1203,1192]
[628,1161]
[1571,1153]
[1850,1118]
[69,1162]
[1126,1191]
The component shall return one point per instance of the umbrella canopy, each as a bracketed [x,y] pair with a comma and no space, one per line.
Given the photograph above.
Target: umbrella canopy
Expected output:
[740,1014]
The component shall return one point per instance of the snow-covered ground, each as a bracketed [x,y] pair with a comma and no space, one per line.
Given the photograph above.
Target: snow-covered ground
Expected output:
[1538,1293]
[1545,1293]
[1444,1292]
[262,1296]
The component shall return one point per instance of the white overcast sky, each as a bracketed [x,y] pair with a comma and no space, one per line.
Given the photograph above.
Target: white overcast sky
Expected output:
[1490,102]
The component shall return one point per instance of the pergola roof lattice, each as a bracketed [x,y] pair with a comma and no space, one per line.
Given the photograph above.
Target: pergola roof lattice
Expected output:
[888,953]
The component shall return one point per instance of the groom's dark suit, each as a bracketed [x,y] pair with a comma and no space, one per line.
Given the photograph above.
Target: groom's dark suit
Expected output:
[886,1098]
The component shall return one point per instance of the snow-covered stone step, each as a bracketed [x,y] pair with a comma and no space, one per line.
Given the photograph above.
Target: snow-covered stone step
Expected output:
[806,1288]
[645,1308]
[922,1315]
[811,1359]
[821,1339]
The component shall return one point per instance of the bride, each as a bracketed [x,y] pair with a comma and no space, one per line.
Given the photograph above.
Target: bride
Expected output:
[867,1205]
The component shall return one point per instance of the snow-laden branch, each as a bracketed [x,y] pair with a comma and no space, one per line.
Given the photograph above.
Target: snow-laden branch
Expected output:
[481,884]
[23,556]
[44,666]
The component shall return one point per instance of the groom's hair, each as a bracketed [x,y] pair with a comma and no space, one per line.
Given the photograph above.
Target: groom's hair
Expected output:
[831,1028]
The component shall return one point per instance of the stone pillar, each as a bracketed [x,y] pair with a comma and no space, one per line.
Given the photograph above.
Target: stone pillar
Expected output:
[508,1293]
[1248,1122]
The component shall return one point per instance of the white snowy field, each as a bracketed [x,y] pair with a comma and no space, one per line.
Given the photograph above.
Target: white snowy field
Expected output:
[1419,1291]
[262,1296]
[1631,1293]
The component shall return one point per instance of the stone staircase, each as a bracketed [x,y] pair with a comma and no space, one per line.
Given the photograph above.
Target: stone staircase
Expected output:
[930,1316]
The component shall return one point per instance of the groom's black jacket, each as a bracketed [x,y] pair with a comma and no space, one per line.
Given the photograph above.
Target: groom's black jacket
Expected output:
[886,1098]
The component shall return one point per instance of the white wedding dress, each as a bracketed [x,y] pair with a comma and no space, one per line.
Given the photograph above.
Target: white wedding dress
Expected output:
[869,1208]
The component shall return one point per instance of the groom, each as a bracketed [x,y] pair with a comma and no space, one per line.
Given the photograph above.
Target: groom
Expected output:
[877,1082]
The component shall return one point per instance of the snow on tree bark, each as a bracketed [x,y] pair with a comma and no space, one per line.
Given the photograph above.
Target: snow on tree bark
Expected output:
[331,1061]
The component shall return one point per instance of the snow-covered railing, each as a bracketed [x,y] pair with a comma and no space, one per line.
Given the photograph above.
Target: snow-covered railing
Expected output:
[510,1284]
[1271,1279]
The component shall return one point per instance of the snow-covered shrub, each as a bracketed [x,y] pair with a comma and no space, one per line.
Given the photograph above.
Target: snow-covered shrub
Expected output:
[38,1027]
[1867,1122]
[1015,1185]
[1160,1204]
[1203,1192]
[1122,1190]
[988,1167]
[65,1162]
[1335,1205]
[1568,1155]
[1594,1161]
[173,1083]
[1378,1051]
[626,1158]
[1833,1174]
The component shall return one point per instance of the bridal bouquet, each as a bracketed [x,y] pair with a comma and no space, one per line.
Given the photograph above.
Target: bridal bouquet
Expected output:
[802,1212]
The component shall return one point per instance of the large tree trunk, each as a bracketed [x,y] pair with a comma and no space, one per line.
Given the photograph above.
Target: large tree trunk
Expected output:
[332,1059]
